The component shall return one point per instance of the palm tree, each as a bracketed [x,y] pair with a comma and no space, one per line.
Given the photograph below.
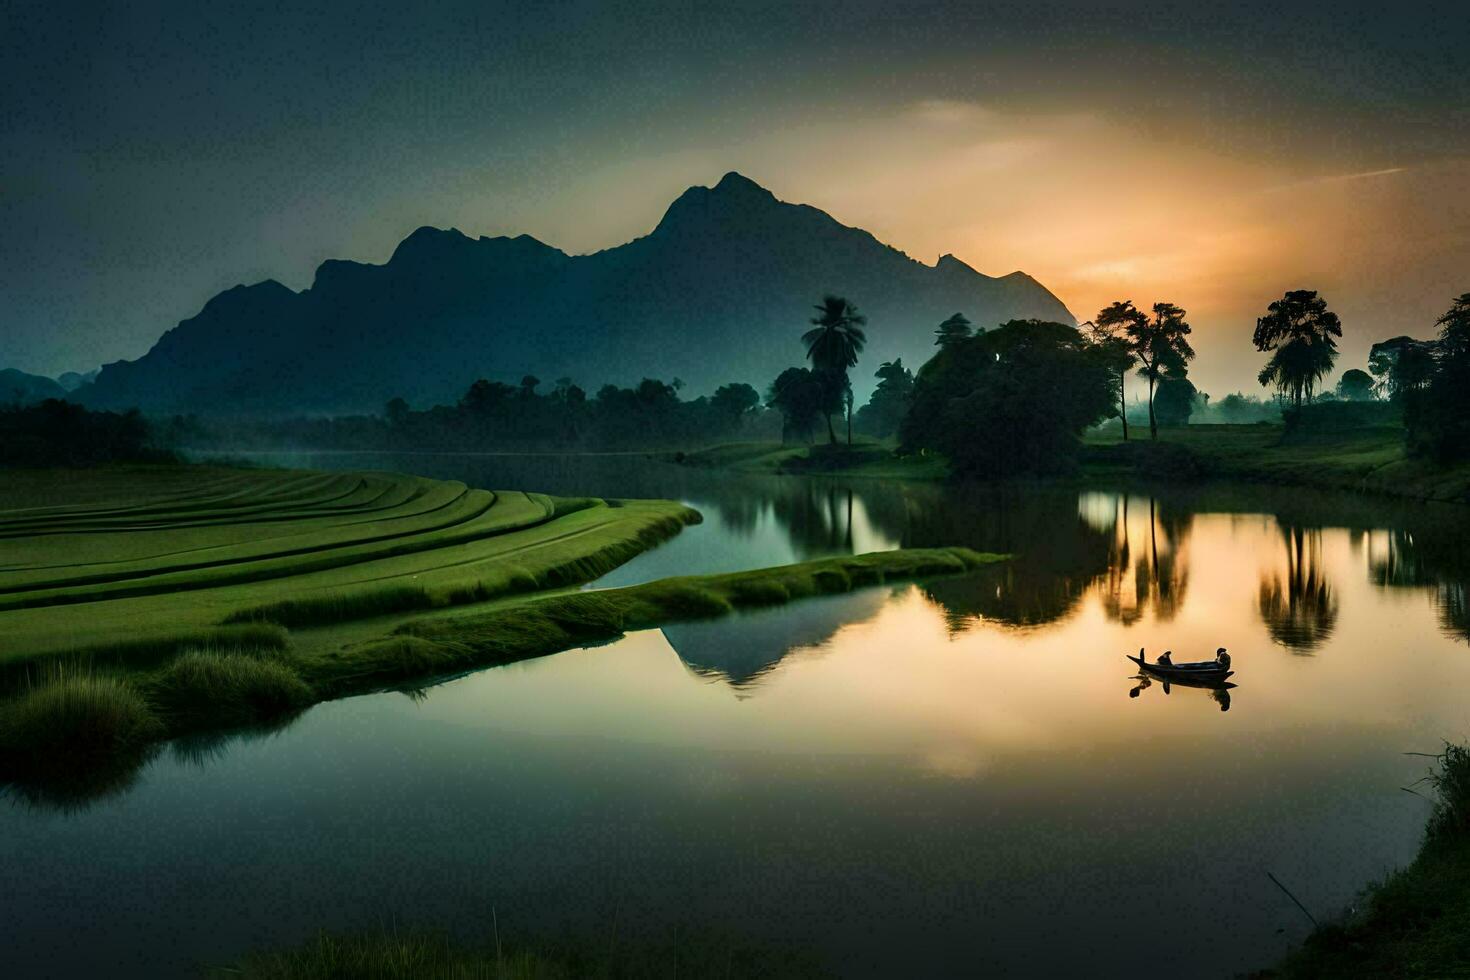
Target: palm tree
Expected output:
[1296,367]
[1160,345]
[1299,330]
[1109,331]
[833,345]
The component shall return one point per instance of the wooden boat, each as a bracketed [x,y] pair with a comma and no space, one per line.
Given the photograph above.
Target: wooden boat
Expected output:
[1201,672]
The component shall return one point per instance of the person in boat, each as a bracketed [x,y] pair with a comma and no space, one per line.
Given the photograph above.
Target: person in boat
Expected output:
[1166,659]
[1222,658]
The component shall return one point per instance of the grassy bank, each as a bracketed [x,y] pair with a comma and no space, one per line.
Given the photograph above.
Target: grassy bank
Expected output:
[1360,460]
[1415,923]
[411,955]
[866,458]
[68,726]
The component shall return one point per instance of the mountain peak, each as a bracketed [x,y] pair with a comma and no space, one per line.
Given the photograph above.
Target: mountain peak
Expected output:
[429,242]
[737,183]
[736,199]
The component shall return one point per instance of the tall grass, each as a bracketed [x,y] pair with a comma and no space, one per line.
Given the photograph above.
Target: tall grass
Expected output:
[71,719]
[1451,781]
[249,638]
[204,687]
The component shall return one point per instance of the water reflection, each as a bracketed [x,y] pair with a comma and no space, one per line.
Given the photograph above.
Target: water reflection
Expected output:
[742,650]
[1219,692]
[1424,557]
[1299,606]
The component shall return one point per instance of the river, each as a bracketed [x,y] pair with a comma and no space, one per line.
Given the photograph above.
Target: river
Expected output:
[957,777]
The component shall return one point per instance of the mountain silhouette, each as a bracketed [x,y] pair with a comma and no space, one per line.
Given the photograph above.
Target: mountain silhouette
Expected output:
[20,388]
[719,291]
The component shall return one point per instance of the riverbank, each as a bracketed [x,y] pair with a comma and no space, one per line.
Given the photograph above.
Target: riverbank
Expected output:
[1370,460]
[406,955]
[77,730]
[1415,923]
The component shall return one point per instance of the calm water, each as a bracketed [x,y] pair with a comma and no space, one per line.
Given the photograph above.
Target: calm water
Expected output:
[946,779]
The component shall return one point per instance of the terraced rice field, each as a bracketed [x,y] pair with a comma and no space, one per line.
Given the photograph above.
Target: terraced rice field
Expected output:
[92,559]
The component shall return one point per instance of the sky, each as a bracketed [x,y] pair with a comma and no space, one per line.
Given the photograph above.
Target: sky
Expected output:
[153,154]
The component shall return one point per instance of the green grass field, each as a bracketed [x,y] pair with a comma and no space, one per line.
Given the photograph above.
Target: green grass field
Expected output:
[131,556]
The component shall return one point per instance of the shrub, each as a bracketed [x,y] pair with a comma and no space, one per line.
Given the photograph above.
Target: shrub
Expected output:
[231,688]
[75,719]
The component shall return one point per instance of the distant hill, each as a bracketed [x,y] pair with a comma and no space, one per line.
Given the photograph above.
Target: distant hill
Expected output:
[720,291]
[17,387]
[72,380]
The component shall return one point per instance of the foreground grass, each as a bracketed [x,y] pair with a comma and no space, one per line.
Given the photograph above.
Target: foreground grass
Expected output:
[1416,923]
[433,956]
[70,726]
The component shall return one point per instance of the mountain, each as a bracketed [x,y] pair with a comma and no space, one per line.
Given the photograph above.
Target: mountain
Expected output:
[72,380]
[719,291]
[17,387]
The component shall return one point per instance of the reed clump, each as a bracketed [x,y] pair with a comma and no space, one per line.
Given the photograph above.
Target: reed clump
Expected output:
[206,687]
[72,718]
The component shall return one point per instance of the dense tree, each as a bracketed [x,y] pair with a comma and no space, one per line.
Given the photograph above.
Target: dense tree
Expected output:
[1401,366]
[833,345]
[801,398]
[1299,330]
[395,411]
[1355,386]
[1438,417]
[957,327]
[1013,400]
[1160,344]
[58,433]
[1175,400]
[890,402]
[735,401]
[1110,332]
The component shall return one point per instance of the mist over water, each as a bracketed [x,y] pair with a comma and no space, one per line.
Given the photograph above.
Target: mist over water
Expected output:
[945,778]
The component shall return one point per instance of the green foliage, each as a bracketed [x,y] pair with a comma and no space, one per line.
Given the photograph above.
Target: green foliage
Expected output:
[957,327]
[802,398]
[1299,330]
[735,400]
[1414,922]
[1334,417]
[1174,401]
[1355,385]
[1109,333]
[58,433]
[1010,401]
[884,412]
[73,718]
[1430,381]
[833,345]
[1161,346]
[205,687]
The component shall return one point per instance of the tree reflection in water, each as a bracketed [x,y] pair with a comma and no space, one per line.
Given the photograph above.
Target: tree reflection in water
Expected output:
[1300,608]
[1425,558]
[1153,574]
